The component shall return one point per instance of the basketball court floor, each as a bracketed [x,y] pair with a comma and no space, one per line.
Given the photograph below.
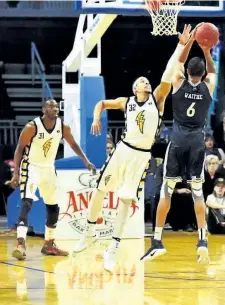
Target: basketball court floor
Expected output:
[174,279]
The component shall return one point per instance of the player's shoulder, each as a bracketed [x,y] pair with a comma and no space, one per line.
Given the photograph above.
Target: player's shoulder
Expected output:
[30,128]
[31,125]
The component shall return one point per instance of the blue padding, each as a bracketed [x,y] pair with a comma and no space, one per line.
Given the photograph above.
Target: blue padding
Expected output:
[92,90]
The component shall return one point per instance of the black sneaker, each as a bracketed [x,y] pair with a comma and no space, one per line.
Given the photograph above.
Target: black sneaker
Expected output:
[202,251]
[157,249]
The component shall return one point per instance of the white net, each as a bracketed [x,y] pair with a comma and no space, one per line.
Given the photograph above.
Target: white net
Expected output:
[164,15]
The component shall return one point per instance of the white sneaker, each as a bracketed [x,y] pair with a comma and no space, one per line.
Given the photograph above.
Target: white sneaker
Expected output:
[84,243]
[109,260]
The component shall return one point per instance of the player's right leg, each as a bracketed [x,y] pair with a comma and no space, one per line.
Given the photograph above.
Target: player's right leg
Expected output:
[172,172]
[108,180]
[27,191]
[195,170]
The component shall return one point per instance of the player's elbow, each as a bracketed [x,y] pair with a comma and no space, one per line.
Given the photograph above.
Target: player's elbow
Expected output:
[100,106]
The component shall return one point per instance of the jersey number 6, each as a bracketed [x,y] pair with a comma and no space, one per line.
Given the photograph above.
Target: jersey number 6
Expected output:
[191,110]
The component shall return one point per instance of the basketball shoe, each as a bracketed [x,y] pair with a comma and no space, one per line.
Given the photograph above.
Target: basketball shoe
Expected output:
[87,239]
[203,252]
[50,248]
[20,251]
[157,249]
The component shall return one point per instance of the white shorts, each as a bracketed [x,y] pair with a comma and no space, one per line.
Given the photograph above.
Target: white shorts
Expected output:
[43,178]
[124,171]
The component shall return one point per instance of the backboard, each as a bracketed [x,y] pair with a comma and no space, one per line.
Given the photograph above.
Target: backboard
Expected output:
[137,7]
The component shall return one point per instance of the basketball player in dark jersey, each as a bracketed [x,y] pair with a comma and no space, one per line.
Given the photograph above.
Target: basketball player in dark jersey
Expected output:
[185,153]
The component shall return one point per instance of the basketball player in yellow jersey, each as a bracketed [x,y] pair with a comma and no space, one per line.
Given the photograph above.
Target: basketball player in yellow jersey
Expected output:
[124,171]
[34,168]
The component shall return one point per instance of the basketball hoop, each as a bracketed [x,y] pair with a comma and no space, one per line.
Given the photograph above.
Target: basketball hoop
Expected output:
[164,15]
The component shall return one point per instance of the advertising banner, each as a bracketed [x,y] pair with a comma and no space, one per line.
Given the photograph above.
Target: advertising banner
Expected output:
[74,194]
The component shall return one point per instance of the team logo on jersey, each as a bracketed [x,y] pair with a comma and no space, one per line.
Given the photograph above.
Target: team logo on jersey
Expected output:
[46,146]
[140,119]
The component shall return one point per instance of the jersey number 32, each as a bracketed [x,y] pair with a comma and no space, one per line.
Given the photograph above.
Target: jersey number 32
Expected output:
[191,110]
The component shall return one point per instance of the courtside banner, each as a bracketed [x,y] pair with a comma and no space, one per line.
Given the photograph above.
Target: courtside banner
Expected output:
[75,189]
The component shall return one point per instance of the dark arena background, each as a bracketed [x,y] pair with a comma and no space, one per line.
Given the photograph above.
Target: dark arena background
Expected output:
[78,53]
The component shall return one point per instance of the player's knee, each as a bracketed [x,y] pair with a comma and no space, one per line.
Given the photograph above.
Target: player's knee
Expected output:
[26,205]
[52,215]
[167,188]
[197,192]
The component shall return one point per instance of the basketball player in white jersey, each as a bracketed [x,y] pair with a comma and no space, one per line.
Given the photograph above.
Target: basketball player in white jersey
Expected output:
[124,170]
[34,168]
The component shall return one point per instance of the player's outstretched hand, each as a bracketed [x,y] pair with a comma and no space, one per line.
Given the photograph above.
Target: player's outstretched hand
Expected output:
[96,128]
[15,181]
[193,32]
[90,167]
[185,36]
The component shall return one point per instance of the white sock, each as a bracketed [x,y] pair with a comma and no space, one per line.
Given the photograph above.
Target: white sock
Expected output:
[22,231]
[158,233]
[202,233]
[49,233]
[114,243]
[90,228]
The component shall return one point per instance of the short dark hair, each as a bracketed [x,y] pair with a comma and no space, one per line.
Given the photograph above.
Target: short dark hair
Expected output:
[196,67]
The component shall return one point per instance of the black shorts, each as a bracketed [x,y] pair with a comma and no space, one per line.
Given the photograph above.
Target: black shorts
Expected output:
[184,161]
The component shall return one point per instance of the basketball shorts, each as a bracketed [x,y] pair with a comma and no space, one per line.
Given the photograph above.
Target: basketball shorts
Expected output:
[124,172]
[184,161]
[43,178]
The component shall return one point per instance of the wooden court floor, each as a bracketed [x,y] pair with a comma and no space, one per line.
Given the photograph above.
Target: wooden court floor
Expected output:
[174,279]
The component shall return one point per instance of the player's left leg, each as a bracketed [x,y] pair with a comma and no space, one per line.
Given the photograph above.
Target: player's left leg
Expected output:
[48,192]
[196,171]
[171,175]
[108,180]
[130,190]
[28,185]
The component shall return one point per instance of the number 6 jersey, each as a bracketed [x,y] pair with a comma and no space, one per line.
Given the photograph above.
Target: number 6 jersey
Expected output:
[43,147]
[191,105]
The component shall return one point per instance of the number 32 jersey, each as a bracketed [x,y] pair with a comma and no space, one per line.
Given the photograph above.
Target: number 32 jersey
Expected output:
[43,148]
[142,122]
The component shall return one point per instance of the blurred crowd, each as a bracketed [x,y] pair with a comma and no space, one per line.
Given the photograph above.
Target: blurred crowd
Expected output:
[181,215]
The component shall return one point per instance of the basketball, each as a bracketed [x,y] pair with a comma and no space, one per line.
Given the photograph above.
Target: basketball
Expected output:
[207,35]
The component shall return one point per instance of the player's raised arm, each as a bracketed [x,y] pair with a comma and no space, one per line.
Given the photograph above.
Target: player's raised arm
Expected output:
[178,75]
[67,135]
[162,91]
[25,138]
[210,79]
[118,103]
